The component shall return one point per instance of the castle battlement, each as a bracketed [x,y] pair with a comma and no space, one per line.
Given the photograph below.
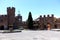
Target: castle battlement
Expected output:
[43,16]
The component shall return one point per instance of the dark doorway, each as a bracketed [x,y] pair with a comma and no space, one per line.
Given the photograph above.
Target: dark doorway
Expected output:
[45,28]
[2,27]
[55,26]
[36,27]
[15,26]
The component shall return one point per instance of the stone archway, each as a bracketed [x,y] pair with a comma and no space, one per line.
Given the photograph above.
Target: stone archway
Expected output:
[48,26]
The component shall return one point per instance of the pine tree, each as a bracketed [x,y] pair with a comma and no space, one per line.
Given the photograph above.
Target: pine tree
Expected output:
[30,21]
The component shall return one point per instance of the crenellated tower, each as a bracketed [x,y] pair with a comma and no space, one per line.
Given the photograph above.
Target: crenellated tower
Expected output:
[11,16]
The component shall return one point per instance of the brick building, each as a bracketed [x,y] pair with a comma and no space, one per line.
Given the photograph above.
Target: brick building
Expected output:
[44,21]
[10,20]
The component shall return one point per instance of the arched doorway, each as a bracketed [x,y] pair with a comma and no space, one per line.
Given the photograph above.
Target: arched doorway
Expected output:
[48,26]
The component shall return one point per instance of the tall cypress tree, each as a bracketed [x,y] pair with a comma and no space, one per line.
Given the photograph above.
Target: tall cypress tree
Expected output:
[30,21]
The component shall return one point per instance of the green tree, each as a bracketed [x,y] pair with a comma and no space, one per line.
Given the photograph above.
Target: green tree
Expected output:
[30,21]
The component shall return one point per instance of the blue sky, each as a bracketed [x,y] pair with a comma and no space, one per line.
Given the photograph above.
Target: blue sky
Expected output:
[37,7]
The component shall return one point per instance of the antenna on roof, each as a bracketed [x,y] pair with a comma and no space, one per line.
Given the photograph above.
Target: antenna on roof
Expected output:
[19,13]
